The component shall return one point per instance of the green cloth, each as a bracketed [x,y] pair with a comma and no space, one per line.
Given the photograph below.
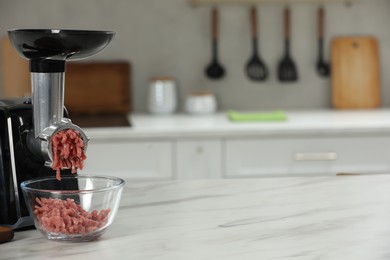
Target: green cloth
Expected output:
[277,115]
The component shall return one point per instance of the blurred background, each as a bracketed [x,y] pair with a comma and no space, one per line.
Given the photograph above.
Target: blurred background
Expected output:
[172,38]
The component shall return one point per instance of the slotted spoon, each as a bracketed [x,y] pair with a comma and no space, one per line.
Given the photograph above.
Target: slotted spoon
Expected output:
[255,68]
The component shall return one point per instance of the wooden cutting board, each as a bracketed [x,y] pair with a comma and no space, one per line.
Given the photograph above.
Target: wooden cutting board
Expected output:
[15,72]
[91,88]
[355,72]
[98,88]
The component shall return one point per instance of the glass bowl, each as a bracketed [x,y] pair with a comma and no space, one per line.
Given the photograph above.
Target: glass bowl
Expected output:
[76,208]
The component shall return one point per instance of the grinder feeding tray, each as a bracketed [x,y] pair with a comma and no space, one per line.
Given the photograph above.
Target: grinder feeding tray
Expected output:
[32,131]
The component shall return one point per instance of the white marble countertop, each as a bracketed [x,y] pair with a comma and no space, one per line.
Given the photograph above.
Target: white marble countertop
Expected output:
[218,125]
[344,217]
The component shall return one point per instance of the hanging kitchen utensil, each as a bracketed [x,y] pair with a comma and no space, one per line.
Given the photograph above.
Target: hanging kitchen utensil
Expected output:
[323,67]
[287,70]
[255,68]
[215,69]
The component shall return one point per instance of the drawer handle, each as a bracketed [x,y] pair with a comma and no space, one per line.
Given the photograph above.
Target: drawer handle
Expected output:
[315,156]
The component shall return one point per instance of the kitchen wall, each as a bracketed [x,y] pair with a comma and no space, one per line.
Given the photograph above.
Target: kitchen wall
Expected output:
[170,37]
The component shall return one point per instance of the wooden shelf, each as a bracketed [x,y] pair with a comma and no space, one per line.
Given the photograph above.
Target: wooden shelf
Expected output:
[240,2]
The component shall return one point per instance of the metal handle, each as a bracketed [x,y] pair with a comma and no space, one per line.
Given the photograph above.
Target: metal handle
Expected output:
[331,156]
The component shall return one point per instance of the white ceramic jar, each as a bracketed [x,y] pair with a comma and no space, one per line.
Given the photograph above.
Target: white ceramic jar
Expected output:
[162,98]
[200,103]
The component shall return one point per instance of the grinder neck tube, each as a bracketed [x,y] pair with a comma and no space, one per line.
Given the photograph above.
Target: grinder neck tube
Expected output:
[47,99]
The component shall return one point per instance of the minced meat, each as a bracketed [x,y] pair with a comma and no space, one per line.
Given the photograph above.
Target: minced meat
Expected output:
[68,151]
[67,217]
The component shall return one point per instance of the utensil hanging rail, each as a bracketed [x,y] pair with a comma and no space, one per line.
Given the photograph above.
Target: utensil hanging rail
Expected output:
[241,2]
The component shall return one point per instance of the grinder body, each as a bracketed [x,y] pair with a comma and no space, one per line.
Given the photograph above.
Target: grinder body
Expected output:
[17,162]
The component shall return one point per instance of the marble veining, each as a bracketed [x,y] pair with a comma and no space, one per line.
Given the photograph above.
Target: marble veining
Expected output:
[336,217]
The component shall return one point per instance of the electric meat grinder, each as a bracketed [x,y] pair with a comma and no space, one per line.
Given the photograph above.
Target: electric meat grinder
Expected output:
[28,125]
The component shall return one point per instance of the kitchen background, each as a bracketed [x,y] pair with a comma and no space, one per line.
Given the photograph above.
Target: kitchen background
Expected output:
[172,38]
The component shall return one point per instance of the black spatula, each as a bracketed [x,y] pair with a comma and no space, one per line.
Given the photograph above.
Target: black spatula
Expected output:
[287,70]
[323,67]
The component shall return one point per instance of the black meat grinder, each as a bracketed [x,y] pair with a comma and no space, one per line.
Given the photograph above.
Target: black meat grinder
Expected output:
[27,125]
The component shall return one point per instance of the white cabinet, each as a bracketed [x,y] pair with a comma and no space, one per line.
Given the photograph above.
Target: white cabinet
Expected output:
[307,156]
[134,159]
[198,159]
[255,156]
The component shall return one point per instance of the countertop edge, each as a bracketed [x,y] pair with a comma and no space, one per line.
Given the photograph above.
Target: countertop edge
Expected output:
[321,122]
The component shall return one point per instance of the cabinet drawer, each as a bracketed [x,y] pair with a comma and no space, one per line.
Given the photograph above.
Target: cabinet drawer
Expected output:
[307,156]
[130,159]
[201,159]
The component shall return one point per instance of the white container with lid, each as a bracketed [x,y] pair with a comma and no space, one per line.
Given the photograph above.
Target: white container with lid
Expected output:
[162,97]
[201,103]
